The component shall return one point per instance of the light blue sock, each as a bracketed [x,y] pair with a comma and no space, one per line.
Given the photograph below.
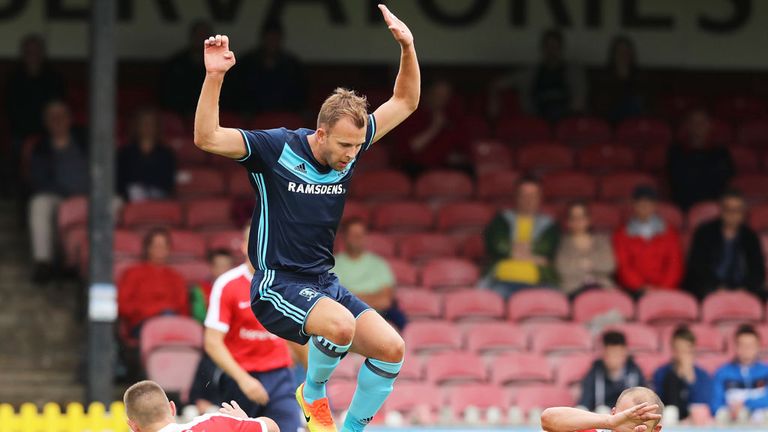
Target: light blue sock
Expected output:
[322,360]
[374,384]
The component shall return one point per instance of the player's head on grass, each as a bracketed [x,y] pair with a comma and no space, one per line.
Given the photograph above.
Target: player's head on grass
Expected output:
[637,395]
[341,127]
[147,407]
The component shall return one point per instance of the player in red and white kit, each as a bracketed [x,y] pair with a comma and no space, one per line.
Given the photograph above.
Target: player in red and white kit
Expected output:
[149,410]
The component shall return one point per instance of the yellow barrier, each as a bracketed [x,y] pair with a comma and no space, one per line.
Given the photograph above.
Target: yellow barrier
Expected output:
[74,419]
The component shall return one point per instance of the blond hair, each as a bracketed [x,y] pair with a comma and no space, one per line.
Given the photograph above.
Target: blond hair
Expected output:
[343,103]
[146,403]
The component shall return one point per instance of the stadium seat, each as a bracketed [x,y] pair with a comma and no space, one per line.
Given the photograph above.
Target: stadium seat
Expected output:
[619,187]
[521,130]
[348,367]
[544,157]
[340,393]
[169,330]
[119,267]
[569,185]
[473,248]
[151,213]
[753,186]
[408,397]
[737,108]
[405,273]
[663,307]
[489,337]
[412,370]
[385,185]
[653,158]
[199,182]
[541,396]
[648,362]
[72,212]
[745,159]
[605,217]
[230,240]
[491,156]
[676,106]
[702,212]
[356,210]
[418,303]
[671,214]
[449,273]
[208,214]
[453,367]
[186,245]
[173,368]
[712,362]
[571,368]
[517,368]
[467,217]
[443,185]
[538,304]
[709,339]
[238,184]
[641,132]
[557,338]
[380,244]
[418,248]
[640,337]
[497,186]
[186,153]
[431,336]
[590,304]
[126,245]
[193,271]
[403,217]
[722,307]
[754,133]
[580,131]
[479,396]
[478,125]
[376,160]
[606,158]
[275,119]
[758,217]
[473,304]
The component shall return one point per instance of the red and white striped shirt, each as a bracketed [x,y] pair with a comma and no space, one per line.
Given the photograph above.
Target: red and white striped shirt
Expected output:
[218,423]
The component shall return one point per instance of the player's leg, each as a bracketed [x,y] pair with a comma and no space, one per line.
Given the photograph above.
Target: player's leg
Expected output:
[282,406]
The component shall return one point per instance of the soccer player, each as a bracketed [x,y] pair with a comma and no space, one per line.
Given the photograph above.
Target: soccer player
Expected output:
[148,410]
[301,178]
[256,363]
[637,410]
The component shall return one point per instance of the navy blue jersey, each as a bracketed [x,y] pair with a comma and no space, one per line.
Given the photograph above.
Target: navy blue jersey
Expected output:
[299,201]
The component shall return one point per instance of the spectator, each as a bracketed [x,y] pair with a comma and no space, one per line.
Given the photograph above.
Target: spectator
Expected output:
[740,386]
[58,169]
[146,168]
[726,254]
[647,249]
[584,260]
[219,261]
[433,136]
[553,89]
[269,77]
[610,375]
[698,168]
[619,90]
[184,72]
[522,243]
[367,275]
[680,382]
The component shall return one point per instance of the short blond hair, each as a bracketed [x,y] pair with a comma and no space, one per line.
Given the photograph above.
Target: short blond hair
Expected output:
[146,403]
[343,103]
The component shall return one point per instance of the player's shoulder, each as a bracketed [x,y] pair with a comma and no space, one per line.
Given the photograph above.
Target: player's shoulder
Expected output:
[218,422]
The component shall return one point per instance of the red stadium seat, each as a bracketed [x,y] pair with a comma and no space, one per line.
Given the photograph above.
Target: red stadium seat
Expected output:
[187,154]
[170,330]
[758,217]
[753,186]
[569,185]
[444,185]
[516,368]
[340,393]
[464,217]
[376,160]
[676,106]
[199,182]
[491,156]
[417,303]
[619,187]
[151,213]
[653,158]
[478,125]
[648,362]
[193,271]
[210,214]
[702,212]
[641,132]
[640,337]
[412,370]
[606,158]
[403,217]
[720,307]
[605,217]
[275,119]
[72,212]
[671,214]
[126,245]
[432,335]
[173,368]
[709,339]
[571,368]
[497,186]
[480,396]
[405,273]
[661,307]
[457,366]
[407,397]
[473,248]
[712,362]
[239,185]
[385,185]
[380,244]
[597,302]
[186,245]
[581,131]
[540,303]
[740,108]
[421,247]
[348,367]
[230,240]
[521,130]
[754,133]
[485,337]
[745,159]
[559,338]
[540,396]
[544,157]
[448,273]
[356,210]
[473,304]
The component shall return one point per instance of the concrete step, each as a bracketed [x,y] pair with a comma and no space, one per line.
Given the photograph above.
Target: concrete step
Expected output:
[18,393]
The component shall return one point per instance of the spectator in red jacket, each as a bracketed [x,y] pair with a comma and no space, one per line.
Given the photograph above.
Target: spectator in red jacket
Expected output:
[647,249]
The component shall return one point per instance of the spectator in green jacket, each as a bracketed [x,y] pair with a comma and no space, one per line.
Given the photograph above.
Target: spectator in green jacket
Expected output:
[522,243]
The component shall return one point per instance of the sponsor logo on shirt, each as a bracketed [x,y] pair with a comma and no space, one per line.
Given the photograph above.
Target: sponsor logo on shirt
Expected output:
[316,189]
[309,293]
[301,168]
[244,305]
[256,335]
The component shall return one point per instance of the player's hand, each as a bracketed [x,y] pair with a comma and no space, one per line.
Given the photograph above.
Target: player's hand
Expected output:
[398,28]
[218,58]
[253,390]
[632,419]
[233,409]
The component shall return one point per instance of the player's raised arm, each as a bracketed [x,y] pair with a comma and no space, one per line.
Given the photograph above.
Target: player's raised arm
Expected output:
[565,419]
[209,135]
[405,98]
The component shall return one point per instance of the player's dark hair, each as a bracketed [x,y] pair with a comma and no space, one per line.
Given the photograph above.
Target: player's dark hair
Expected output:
[731,193]
[746,329]
[614,338]
[149,236]
[218,252]
[349,222]
[684,333]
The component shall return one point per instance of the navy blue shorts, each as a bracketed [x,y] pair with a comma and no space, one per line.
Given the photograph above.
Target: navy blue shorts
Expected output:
[282,301]
[280,387]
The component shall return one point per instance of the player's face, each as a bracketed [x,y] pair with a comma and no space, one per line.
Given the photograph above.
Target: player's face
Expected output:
[342,143]
[747,349]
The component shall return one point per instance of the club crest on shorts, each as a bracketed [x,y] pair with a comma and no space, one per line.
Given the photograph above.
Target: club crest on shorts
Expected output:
[309,293]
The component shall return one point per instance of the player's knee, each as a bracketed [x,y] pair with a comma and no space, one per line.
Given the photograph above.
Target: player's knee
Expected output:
[393,351]
[342,329]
